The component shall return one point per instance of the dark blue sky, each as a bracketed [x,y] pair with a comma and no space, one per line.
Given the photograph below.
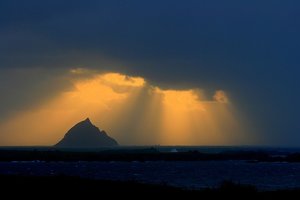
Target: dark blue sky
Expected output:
[248,48]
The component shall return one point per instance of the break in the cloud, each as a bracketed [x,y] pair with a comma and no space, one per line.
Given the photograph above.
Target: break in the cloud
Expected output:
[248,48]
[131,110]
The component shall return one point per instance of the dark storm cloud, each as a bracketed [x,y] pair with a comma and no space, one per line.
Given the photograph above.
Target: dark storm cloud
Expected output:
[248,48]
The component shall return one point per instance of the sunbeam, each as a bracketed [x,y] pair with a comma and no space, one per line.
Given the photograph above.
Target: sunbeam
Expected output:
[131,110]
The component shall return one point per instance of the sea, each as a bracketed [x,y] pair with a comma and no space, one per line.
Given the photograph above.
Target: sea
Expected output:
[185,174]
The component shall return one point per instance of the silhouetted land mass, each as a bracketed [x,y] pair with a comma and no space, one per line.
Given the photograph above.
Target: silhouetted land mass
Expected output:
[147,154]
[63,186]
[86,135]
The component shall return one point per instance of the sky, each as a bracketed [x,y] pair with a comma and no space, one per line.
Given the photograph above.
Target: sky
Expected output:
[167,63]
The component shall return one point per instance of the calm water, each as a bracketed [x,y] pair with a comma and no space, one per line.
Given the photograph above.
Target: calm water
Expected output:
[193,174]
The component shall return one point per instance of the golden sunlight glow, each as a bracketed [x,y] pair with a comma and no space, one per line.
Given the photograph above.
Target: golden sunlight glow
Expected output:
[94,91]
[181,100]
[187,118]
[131,111]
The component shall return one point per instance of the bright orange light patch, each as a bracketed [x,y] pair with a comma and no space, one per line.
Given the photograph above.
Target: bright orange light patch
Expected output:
[181,99]
[94,91]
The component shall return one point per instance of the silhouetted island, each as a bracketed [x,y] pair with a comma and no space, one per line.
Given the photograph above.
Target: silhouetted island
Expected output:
[86,135]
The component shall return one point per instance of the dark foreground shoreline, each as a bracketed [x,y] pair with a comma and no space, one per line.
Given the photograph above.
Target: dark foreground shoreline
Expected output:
[64,186]
[148,154]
